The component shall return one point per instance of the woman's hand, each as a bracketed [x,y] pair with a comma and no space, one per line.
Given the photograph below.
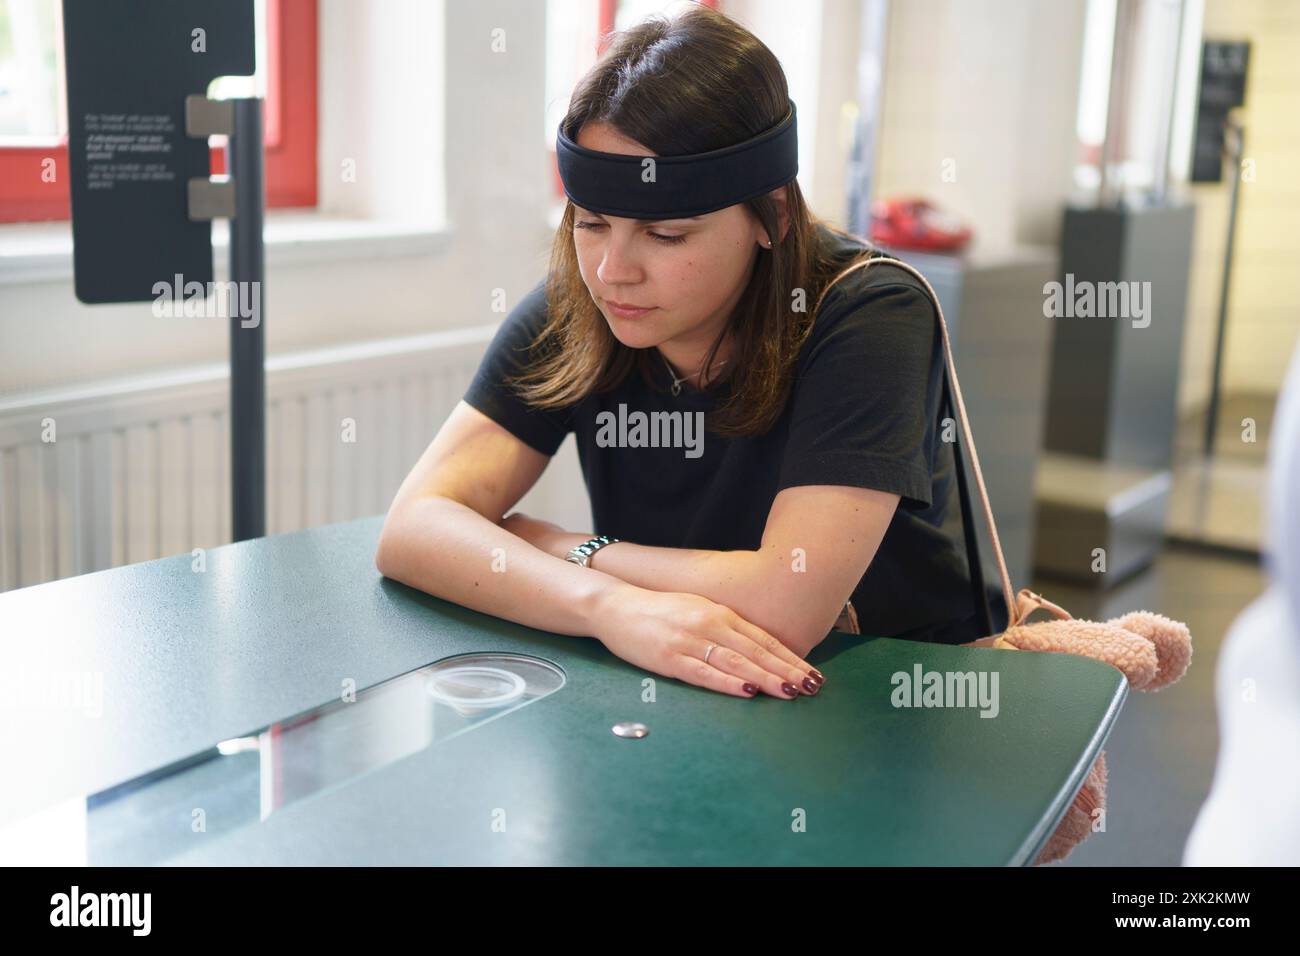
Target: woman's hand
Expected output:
[669,633]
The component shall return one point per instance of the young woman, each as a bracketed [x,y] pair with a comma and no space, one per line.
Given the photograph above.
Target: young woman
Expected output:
[820,483]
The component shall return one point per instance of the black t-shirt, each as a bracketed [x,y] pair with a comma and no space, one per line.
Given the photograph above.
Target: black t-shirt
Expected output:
[864,411]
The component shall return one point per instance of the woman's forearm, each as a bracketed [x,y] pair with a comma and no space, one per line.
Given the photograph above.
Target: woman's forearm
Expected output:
[754,584]
[724,574]
[757,585]
[447,549]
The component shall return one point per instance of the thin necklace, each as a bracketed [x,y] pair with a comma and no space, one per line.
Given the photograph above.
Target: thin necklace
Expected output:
[677,382]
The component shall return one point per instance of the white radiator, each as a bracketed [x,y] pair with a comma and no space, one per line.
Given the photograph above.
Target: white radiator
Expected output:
[141,469]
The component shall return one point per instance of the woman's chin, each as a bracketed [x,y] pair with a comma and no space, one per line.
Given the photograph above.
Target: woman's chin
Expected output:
[634,336]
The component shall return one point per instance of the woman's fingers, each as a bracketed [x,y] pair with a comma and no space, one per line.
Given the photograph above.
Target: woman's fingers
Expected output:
[693,670]
[796,677]
[737,657]
[796,669]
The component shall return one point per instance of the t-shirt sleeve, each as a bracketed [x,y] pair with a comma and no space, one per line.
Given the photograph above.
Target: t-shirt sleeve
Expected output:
[866,397]
[506,356]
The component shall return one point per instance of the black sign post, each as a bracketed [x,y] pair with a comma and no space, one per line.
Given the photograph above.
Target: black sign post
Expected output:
[247,345]
[142,195]
[1220,136]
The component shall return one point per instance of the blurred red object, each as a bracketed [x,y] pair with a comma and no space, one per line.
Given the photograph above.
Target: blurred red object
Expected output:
[916,224]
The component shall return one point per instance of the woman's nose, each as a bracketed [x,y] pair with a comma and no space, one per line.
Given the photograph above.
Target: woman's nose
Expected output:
[617,266]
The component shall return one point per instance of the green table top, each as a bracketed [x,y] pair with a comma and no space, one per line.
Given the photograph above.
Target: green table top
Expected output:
[273,627]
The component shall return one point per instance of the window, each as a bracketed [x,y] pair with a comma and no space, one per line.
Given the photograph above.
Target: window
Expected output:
[33,128]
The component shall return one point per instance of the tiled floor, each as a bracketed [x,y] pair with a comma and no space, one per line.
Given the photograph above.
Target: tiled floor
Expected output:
[1232,434]
[1161,752]
[1219,501]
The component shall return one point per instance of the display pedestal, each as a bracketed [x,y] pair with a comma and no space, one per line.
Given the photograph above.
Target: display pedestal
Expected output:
[1112,401]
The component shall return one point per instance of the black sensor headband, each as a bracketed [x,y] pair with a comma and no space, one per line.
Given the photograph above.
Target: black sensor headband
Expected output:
[675,187]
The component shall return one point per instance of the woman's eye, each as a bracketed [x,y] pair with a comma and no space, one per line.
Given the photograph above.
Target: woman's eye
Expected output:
[658,237]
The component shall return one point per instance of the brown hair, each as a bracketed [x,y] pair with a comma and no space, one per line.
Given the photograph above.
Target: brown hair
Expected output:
[697,82]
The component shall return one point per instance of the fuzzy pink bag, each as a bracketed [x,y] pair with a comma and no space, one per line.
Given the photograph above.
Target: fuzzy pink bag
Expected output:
[1151,651]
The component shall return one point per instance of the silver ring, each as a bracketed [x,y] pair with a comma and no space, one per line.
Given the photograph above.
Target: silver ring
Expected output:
[708,652]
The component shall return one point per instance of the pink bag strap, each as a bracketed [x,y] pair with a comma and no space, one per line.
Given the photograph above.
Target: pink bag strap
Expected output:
[1013,609]
[1027,602]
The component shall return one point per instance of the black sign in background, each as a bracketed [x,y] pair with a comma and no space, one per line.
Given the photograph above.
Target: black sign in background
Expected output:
[1223,87]
[130,66]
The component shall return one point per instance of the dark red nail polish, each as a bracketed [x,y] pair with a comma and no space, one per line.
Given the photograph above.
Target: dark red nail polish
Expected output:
[819,675]
[810,685]
[790,690]
[817,678]
[750,689]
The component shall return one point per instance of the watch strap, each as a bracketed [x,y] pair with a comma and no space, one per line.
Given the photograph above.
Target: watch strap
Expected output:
[581,554]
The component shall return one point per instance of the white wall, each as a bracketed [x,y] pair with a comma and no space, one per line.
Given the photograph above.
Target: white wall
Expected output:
[990,85]
[380,78]
[1264,302]
[818,52]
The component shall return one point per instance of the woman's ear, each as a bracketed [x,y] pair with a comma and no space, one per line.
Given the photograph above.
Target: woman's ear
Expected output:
[779,199]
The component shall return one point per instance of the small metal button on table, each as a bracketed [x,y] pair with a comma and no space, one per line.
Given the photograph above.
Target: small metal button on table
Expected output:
[630,728]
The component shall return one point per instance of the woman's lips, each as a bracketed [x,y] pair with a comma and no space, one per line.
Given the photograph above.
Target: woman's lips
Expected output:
[627,311]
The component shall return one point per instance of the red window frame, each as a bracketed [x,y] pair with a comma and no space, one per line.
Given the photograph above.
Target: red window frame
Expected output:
[290,129]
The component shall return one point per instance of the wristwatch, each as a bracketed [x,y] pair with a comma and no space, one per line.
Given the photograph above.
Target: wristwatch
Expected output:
[581,554]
